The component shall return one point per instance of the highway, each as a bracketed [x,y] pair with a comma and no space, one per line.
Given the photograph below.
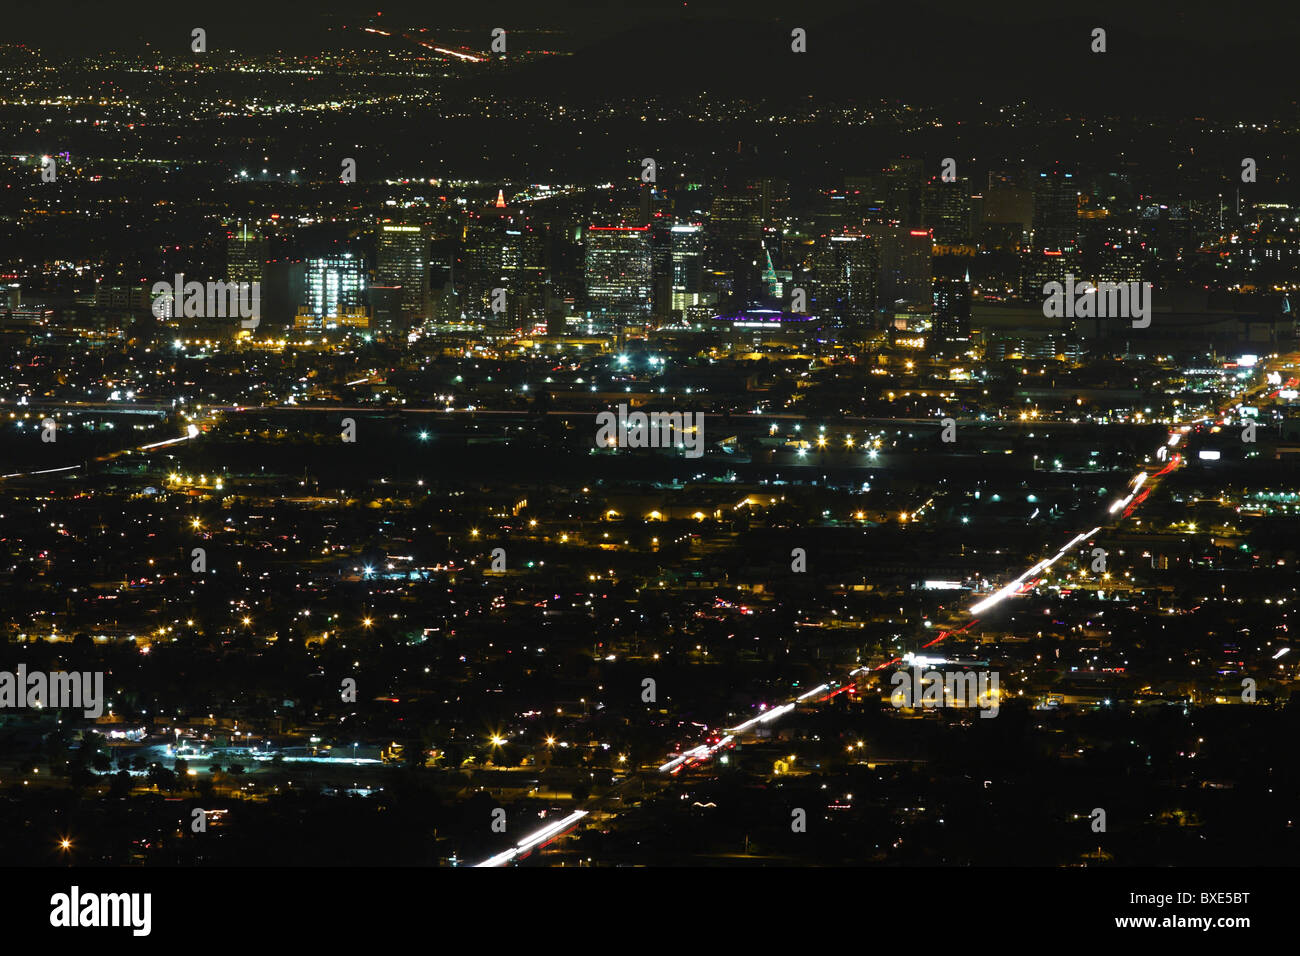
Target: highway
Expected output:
[191,432]
[1138,488]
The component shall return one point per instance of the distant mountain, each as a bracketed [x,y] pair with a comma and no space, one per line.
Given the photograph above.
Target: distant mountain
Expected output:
[919,56]
[1190,56]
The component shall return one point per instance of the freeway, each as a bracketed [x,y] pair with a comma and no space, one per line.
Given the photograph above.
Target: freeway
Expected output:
[1138,488]
[191,432]
[538,839]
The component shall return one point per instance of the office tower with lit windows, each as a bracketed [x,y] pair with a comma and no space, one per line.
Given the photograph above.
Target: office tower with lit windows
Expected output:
[618,274]
[950,320]
[402,261]
[945,208]
[502,249]
[246,254]
[336,286]
[661,266]
[844,270]
[687,265]
[1054,248]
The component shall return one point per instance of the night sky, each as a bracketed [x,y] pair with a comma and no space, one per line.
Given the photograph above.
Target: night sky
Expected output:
[1200,55]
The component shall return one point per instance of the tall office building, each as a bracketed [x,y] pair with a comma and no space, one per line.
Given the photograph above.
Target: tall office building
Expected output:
[945,208]
[246,254]
[688,265]
[1002,232]
[661,264]
[844,271]
[1056,211]
[335,286]
[1118,260]
[503,249]
[900,185]
[737,215]
[618,274]
[1054,252]
[905,286]
[734,239]
[950,320]
[402,261]
[387,315]
[1009,199]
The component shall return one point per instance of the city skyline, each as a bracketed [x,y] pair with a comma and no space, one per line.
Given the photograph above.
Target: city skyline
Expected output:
[683,437]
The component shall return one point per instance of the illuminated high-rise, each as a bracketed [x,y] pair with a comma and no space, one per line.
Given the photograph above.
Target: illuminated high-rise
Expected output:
[335,285]
[945,208]
[950,320]
[1054,252]
[402,260]
[246,253]
[618,273]
[688,265]
[844,268]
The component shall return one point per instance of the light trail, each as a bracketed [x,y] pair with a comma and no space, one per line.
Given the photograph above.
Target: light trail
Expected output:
[530,843]
[1017,586]
[704,751]
[762,718]
[428,46]
[920,660]
[1137,501]
[162,444]
[818,689]
[192,431]
[46,471]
